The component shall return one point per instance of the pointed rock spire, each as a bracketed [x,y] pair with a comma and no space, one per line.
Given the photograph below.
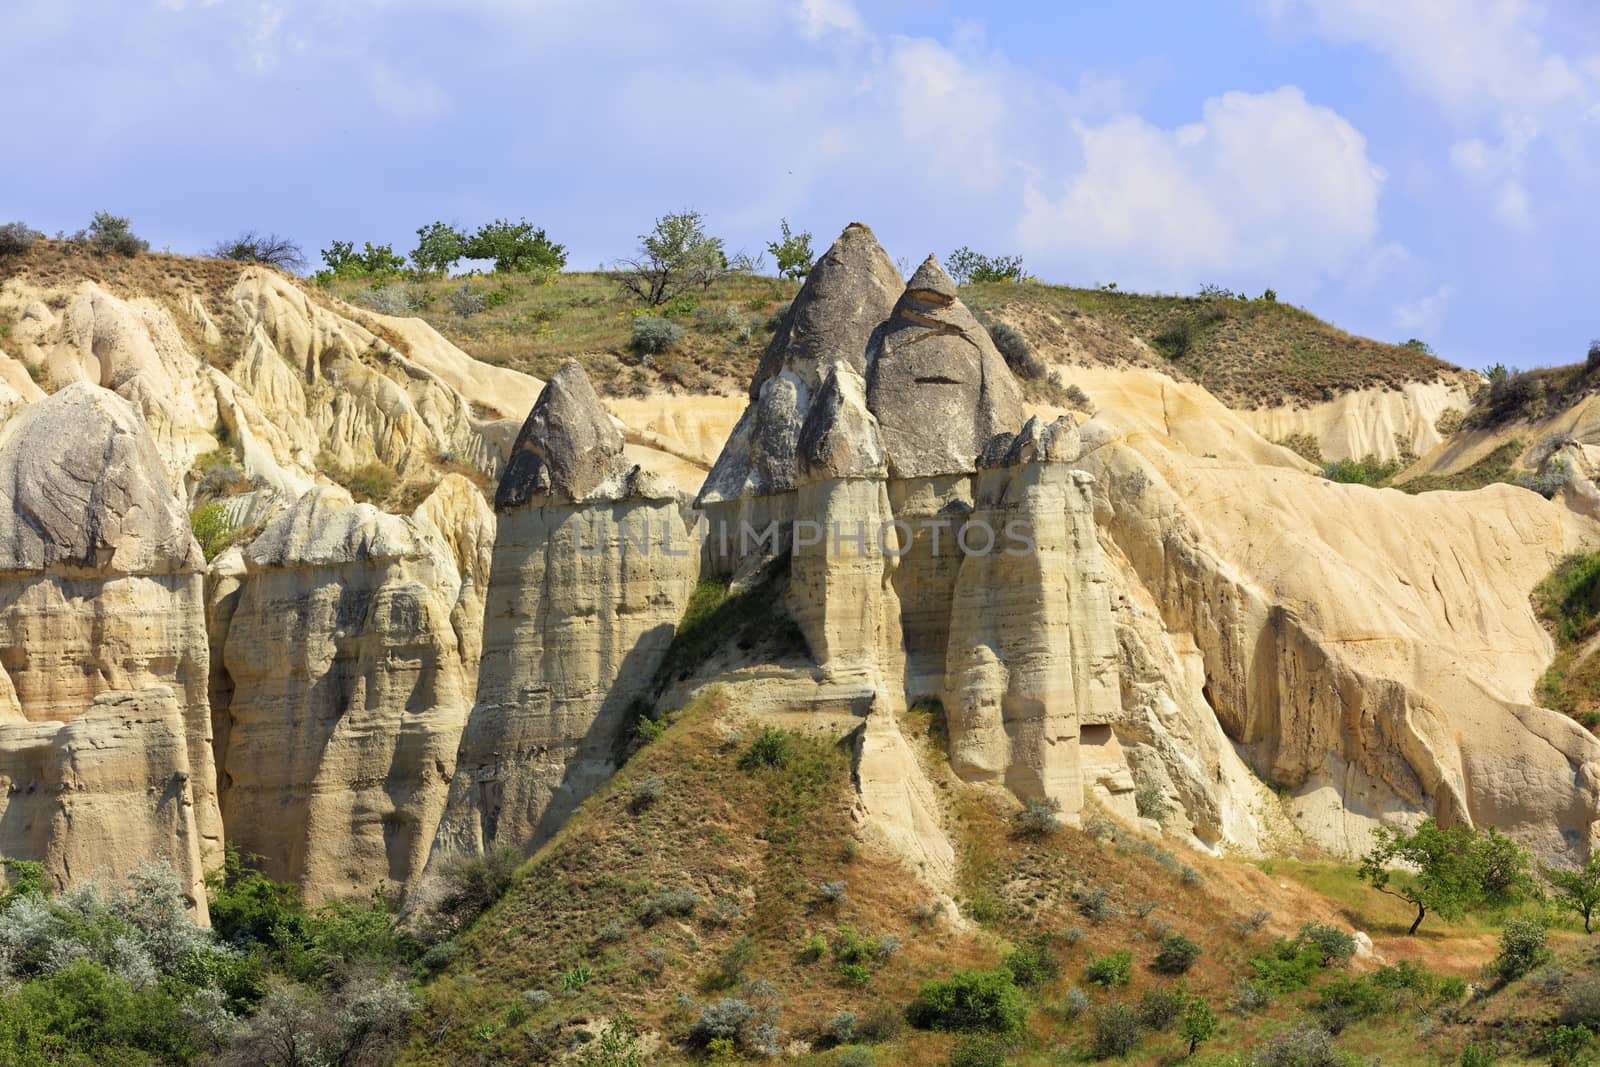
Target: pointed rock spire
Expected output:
[848,293]
[840,436]
[568,447]
[935,381]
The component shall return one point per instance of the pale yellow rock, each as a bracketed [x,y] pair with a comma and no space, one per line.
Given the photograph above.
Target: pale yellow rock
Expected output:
[1374,652]
[1382,422]
[348,694]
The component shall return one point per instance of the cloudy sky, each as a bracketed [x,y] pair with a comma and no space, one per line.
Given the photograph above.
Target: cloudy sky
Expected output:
[1425,168]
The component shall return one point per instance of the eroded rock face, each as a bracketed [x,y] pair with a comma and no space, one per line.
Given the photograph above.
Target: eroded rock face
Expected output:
[936,383]
[593,565]
[103,654]
[348,690]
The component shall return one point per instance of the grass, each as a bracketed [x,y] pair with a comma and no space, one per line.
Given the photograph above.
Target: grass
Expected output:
[1250,353]
[534,325]
[1568,603]
[1493,468]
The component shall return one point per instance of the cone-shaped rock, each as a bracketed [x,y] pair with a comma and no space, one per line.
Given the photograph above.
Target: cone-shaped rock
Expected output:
[935,381]
[849,291]
[568,447]
[840,436]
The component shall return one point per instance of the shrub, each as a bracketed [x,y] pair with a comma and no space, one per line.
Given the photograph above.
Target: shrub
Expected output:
[792,251]
[1523,946]
[856,1057]
[576,978]
[269,249]
[1177,954]
[1112,969]
[1116,1031]
[1160,1006]
[617,1046]
[465,302]
[16,238]
[1565,1045]
[1300,1046]
[721,1019]
[369,483]
[1347,999]
[858,975]
[645,792]
[1369,470]
[1306,446]
[836,892]
[1151,800]
[970,1000]
[771,748]
[1094,903]
[1250,995]
[1074,1004]
[1548,480]
[674,902]
[967,267]
[976,1051]
[1581,1007]
[814,948]
[1335,945]
[1476,1055]
[673,256]
[1291,966]
[652,335]
[1449,422]
[212,528]
[1252,922]
[841,1029]
[1189,876]
[1033,964]
[471,884]
[1039,817]
[113,234]
[389,299]
[731,965]
[1198,1023]
[1019,355]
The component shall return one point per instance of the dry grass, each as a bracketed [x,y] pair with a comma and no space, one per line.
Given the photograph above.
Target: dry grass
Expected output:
[535,326]
[1249,353]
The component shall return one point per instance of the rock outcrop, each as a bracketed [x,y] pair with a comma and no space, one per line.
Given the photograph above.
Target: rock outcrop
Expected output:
[593,566]
[105,731]
[350,668]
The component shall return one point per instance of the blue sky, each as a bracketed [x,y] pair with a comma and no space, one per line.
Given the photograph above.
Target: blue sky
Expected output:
[1424,168]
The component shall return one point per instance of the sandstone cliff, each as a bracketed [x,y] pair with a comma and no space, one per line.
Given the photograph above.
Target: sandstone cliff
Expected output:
[105,730]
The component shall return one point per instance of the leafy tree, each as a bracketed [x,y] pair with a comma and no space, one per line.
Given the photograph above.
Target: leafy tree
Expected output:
[1578,891]
[110,233]
[266,248]
[517,248]
[793,253]
[373,261]
[1198,1024]
[1452,870]
[675,255]
[16,238]
[1523,946]
[967,267]
[440,246]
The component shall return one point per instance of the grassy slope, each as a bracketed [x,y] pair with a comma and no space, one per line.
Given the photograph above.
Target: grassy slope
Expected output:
[1248,353]
[764,841]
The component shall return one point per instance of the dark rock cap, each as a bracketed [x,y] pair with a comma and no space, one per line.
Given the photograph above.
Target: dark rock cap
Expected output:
[567,447]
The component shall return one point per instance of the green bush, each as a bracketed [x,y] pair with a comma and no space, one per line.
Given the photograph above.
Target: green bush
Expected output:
[1347,999]
[979,1051]
[1033,964]
[1039,817]
[1112,969]
[212,528]
[1177,954]
[1116,1031]
[970,1000]
[373,261]
[16,238]
[652,335]
[674,902]
[1019,355]
[112,234]
[1335,945]
[1369,470]
[792,252]
[1302,1045]
[1292,965]
[1160,1006]
[967,267]
[771,748]
[1523,946]
[1581,1006]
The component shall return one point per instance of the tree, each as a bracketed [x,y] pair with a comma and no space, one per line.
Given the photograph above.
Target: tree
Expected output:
[373,261]
[440,246]
[516,248]
[110,233]
[266,248]
[793,253]
[967,267]
[1451,870]
[1198,1025]
[1578,891]
[672,257]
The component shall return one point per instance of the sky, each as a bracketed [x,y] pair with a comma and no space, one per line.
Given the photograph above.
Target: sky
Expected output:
[1403,168]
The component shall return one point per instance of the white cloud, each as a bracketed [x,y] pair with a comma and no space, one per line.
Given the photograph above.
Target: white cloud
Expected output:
[819,17]
[1512,205]
[406,96]
[1264,183]
[1424,316]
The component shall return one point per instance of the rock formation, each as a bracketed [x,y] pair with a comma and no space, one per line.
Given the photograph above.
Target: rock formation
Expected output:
[350,668]
[105,732]
[593,565]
